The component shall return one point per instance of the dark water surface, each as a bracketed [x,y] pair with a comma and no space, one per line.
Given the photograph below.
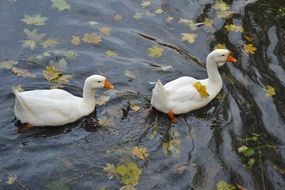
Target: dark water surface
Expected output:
[73,156]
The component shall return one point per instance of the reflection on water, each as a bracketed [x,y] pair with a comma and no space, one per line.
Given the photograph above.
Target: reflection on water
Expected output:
[238,138]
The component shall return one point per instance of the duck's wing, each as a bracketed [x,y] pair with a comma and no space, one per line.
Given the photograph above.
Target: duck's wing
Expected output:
[159,96]
[178,83]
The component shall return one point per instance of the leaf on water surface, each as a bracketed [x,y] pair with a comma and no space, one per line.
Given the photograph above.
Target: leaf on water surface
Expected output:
[242,149]
[140,152]
[56,185]
[127,187]
[208,22]
[129,74]
[249,48]
[101,100]
[63,79]
[110,169]
[60,65]
[60,5]
[220,46]
[105,122]
[223,10]
[111,53]
[105,30]
[17,88]
[188,22]
[169,19]
[145,4]
[158,11]
[118,17]
[33,37]
[188,37]
[234,28]
[129,174]
[76,40]
[29,44]
[249,152]
[172,147]
[251,162]
[279,169]
[138,16]
[8,64]
[22,72]
[249,38]
[270,90]
[49,43]
[11,180]
[135,107]
[53,75]
[201,89]
[36,19]
[92,38]
[222,185]
[155,51]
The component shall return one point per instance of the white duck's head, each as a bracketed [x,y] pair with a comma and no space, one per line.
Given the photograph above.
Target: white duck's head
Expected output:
[98,81]
[221,56]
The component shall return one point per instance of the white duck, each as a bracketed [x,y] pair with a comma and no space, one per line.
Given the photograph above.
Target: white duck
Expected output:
[57,107]
[180,96]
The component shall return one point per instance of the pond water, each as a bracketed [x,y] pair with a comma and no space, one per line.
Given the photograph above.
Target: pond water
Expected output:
[238,138]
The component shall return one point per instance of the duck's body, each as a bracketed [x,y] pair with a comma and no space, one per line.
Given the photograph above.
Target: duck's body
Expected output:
[180,96]
[57,107]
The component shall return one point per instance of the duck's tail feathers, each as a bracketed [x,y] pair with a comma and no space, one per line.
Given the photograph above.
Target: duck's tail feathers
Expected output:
[159,95]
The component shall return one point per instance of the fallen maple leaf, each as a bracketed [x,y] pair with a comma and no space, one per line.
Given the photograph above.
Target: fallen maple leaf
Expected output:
[76,40]
[92,38]
[105,30]
[201,89]
[22,72]
[49,43]
[234,28]
[36,19]
[111,53]
[269,90]
[155,51]
[60,5]
[140,152]
[118,17]
[249,48]
[188,37]
[8,64]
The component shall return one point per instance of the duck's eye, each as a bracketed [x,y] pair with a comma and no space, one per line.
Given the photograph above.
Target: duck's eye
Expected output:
[223,54]
[99,81]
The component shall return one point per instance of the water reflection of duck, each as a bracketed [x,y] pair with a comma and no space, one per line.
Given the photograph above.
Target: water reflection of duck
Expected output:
[57,107]
[185,94]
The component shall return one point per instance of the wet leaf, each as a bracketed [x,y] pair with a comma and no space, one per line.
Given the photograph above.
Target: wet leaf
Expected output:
[135,108]
[248,152]
[251,162]
[105,30]
[127,187]
[49,43]
[155,51]
[208,22]
[249,48]
[7,64]
[36,19]
[129,174]
[188,22]
[172,147]
[75,40]
[110,170]
[22,72]
[33,37]
[201,89]
[63,79]
[248,38]
[158,11]
[111,53]
[234,28]
[242,149]
[56,185]
[92,38]
[241,187]
[93,23]
[105,122]
[140,152]
[223,10]
[270,90]
[60,5]
[222,185]
[169,19]
[279,169]
[17,88]
[29,44]
[50,73]
[118,17]
[220,46]
[138,16]
[145,4]
[11,180]
[130,74]
[188,37]
[60,65]
[101,100]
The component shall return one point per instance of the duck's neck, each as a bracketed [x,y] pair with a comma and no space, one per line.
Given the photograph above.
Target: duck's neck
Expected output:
[88,94]
[212,70]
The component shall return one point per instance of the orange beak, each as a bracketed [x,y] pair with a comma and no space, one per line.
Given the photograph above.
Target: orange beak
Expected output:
[230,58]
[108,85]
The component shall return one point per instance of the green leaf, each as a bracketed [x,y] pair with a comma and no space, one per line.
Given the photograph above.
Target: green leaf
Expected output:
[36,19]
[11,180]
[222,185]
[129,174]
[249,152]
[60,5]
[250,162]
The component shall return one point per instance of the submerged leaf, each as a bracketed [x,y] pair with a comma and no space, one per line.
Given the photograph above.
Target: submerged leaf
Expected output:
[138,16]
[7,64]
[140,152]
[22,72]
[145,4]
[11,180]
[56,185]
[172,147]
[188,22]
[101,100]
[111,53]
[208,22]
[129,174]
[222,185]
[36,19]
[60,5]
[29,44]
[92,38]
[188,37]
[223,10]
[158,11]
[249,48]
[251,162]
[105,30]
[49,43]
[201,89]
[155,51]
[234,28]
[105,122]
[270,90]
[33,37]
[110,170]
[75,40]
[118,17]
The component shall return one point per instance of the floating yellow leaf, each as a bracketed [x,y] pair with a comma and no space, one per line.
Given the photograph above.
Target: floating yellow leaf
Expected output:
[138,16]
[201,89]
[92,38]
[155,51]
[158,11]
[135,108]
[7,64]
[140,152]
[105,30]
[188,37]
[111,53]
[49,43]
[269,90]
[129,174]
[60,5]
[145,4]
[234,28]
[249,48]
[22,72]
[118,17]
[220,46]
[223,10]
[36,19]
[208,22]
[248,38]
[50,73]
[75,40]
